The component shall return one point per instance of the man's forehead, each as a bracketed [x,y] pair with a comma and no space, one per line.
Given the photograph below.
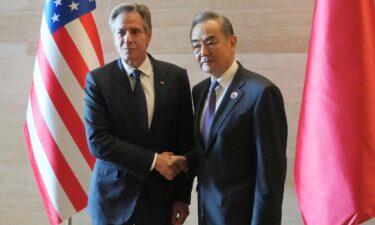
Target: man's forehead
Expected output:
[128,24]
[203,37]
[206,28]
[131,18]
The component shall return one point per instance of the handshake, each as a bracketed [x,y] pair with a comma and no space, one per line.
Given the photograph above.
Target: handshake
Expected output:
[170,165]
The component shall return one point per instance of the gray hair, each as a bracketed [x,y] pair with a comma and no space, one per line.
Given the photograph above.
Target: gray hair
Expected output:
[142,9]
[226,26]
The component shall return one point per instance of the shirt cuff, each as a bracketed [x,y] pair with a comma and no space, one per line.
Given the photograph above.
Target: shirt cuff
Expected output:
[153,162]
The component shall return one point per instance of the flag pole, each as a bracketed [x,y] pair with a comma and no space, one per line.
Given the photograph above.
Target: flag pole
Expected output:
[69,221]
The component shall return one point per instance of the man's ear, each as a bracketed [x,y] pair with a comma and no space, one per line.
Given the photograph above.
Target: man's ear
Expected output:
[233,42]
[149,35]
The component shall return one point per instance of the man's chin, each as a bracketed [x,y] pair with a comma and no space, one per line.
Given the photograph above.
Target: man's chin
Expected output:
[127,57]
[206,69]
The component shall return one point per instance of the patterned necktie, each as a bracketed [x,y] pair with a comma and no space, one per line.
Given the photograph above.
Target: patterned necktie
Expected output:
[140,99]
[210,112]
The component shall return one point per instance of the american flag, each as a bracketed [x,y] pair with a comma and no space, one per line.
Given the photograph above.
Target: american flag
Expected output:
[68,48]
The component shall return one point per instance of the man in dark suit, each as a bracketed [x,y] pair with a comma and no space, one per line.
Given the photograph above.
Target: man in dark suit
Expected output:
[138,112]
[240,133]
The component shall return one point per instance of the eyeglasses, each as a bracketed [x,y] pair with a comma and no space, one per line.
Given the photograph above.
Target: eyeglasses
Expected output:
[199,45]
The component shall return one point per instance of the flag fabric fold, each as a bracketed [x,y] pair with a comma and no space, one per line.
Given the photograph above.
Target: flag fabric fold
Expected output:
[68,48]
[335,152]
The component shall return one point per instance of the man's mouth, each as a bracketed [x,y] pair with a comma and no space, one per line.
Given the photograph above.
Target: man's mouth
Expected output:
[125,47]
[205,60]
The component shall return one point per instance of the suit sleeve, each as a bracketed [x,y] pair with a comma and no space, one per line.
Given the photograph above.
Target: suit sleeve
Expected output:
[184,137]
[270,131]
[102,142]
[192,155]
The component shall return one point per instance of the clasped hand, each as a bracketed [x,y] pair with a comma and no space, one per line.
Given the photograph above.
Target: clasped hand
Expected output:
[170,165]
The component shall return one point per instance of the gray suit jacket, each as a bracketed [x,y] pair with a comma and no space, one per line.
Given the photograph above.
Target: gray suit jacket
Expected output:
[121,180]
[241,172]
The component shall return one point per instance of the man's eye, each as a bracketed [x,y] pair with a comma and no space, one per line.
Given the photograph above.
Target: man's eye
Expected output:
[196,46]
[135,31]
[120,33]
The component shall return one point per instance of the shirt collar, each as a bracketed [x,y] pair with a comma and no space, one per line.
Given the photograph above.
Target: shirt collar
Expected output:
[227,77]
[145,67]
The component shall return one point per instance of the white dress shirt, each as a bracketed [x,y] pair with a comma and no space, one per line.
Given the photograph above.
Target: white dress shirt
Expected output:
[147,81]
[224,81]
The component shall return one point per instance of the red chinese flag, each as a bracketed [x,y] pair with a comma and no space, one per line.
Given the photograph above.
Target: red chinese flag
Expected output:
[335,155]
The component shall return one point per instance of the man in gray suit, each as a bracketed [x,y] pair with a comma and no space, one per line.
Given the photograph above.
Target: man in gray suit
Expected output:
[240,133]
[138,112]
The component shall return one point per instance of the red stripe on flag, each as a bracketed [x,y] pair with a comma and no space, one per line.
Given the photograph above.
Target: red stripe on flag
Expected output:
[71,55]
[88,23]
[53,215]
[60,166]
[64,107]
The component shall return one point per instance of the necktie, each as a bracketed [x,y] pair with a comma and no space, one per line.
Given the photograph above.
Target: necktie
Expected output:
[210,112]
[140,99]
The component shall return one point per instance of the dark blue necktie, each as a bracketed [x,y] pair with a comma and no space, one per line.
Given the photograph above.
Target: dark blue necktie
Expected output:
[140,99]
[210,112]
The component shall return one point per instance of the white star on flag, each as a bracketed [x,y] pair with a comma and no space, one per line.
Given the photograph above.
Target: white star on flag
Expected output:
[73,6]
[57,2]
[55,17]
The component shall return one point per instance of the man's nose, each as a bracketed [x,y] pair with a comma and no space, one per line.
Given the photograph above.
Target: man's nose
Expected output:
[128,37]
[204,50]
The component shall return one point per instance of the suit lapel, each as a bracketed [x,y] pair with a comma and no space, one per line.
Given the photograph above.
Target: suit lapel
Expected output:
[199,105]
[123,89]
[232,96]
[160,91]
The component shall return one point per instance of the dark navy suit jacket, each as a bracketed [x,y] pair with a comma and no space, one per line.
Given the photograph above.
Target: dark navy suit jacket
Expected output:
[121,181]
[241,171]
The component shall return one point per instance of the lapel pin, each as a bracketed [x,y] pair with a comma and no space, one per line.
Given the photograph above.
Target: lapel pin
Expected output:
[162,82]
[234,95]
